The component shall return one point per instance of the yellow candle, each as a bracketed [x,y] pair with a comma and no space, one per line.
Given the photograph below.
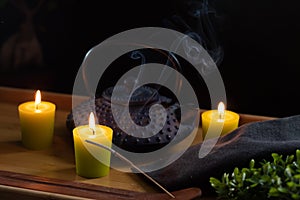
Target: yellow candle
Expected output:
[37,123]
[86,164]
[219,120]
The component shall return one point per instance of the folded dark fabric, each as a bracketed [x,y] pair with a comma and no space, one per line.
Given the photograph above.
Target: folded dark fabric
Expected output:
[255,140]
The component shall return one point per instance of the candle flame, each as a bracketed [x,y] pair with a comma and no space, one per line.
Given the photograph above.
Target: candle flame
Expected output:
[221,110]
[37,99]
[92,124]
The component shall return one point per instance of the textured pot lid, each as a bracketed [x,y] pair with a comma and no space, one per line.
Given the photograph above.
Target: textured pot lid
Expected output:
[141,96]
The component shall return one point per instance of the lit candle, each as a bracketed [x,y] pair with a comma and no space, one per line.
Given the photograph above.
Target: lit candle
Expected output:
[86,164]
[37,123]
[220,120]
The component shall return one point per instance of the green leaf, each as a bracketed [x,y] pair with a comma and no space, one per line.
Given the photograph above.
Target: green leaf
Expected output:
[251,164]
[283,190]
[214,182]
[296,176]
[298,156]
[273,192]
[289,159]
[295,196]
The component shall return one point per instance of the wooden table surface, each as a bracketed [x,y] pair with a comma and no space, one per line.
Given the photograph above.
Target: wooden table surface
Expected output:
[57,162]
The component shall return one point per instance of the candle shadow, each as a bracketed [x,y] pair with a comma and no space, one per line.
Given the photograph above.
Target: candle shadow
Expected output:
[67,174]
[62,148]
[11,147]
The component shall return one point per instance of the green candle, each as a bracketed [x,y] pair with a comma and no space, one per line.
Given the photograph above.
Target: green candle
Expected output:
[86,164]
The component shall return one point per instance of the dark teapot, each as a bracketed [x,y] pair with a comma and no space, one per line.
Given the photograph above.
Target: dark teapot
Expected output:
[140,102]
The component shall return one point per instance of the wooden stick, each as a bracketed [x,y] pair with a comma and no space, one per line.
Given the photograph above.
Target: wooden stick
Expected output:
[115,153]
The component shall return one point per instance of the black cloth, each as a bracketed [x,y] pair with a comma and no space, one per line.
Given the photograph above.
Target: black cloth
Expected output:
[257,140]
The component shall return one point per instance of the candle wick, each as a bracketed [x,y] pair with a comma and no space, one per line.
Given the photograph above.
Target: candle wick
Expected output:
[93,131]
[37,106]
[221,116]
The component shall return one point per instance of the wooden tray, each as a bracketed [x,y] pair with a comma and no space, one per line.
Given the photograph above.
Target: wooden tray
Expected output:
[50,174]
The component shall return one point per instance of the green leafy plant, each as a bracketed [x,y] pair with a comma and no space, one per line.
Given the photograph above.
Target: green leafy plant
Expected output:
[277,179]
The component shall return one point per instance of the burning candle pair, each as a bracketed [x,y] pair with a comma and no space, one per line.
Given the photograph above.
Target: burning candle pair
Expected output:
[91,161]
[218,122]
[37,123]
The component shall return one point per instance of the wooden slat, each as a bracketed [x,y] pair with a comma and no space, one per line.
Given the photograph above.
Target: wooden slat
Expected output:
[67,188]
[39,187]
[246,118]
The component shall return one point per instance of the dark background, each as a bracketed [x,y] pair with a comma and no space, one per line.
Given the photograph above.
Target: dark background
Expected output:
[260,42]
